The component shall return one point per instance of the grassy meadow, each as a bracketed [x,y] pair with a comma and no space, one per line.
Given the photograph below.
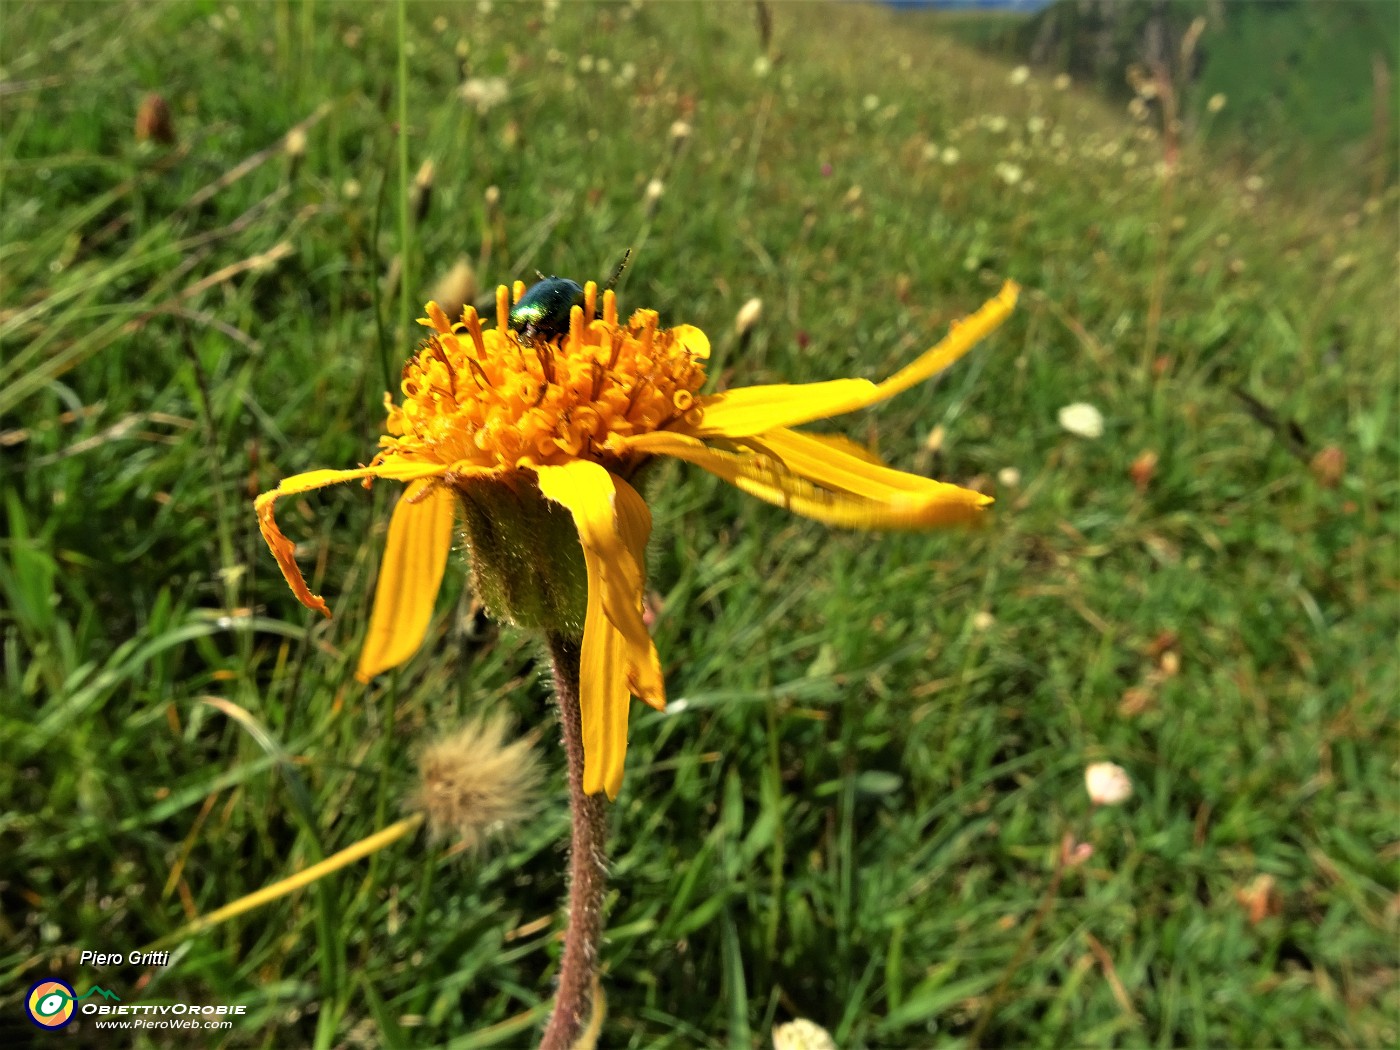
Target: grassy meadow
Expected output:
[854,808]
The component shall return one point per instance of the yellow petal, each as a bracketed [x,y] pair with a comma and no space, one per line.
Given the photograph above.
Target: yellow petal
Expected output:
[284,550]
[603,698]
[828,460]
[963,336]
[846,445]
[415,557]
[618,655]
[753,410]
[695,342]
[833,487]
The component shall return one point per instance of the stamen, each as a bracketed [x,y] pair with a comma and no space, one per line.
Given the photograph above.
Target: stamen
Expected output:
[590,299]
[473,324]
[439,319]
[479,374]
[441,354]
[517,291]
[576,328]
[502,307]
[610,307]
[642,384]
[546,356]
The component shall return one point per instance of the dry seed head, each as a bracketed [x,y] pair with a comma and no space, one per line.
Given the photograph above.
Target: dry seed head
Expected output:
[426,172]
[655,190]
[423,190]
[473,784]
[457,287]
[153,121]
[748,316]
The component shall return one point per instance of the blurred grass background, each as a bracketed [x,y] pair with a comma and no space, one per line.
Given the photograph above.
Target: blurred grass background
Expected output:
[855,814]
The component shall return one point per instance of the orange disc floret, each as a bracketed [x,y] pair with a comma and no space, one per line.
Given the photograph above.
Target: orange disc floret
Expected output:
[494,398]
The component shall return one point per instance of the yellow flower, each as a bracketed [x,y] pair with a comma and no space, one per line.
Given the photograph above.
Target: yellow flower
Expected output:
[501,427]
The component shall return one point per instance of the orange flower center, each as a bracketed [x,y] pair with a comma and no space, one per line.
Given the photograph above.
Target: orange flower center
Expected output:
[496,398]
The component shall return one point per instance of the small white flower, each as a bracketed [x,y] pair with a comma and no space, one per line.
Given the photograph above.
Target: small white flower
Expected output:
[1009,476]
[484,93]
[871,103]
[1082,419]
[762,66]
[1019,75]
[802,1034]
[1062,82]
[655,188]
[951,155]
[1216,103]
[1009,173]
[1108,784]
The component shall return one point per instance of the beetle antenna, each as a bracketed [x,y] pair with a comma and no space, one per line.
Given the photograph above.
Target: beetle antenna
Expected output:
[541,276]
[612,281]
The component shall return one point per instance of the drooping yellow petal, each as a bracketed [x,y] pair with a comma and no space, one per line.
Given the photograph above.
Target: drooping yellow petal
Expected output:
[618,656]
[752,410]
[835,487]
[415,557]
[603,697]
[285,551]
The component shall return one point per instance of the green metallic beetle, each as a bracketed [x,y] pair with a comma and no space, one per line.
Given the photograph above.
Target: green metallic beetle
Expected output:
[543,311]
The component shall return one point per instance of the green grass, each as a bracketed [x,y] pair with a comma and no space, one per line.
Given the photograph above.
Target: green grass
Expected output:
[856,816]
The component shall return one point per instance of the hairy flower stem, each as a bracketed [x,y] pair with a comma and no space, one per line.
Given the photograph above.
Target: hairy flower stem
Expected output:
[588,877]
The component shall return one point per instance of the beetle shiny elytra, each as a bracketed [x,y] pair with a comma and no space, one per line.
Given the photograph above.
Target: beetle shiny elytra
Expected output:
[543,311]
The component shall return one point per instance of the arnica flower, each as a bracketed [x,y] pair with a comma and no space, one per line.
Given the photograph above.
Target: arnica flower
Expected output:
[537,446]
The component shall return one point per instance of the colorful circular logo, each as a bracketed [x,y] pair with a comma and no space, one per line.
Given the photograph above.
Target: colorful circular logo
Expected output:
[50,1003]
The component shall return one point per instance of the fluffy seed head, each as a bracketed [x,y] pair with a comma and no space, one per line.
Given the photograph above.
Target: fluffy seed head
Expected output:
[473,784]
